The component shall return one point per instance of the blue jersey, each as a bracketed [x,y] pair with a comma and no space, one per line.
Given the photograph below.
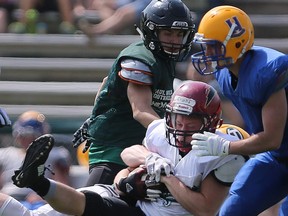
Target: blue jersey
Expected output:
[262,72]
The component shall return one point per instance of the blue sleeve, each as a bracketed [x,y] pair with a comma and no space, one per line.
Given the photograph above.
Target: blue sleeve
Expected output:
[276,80]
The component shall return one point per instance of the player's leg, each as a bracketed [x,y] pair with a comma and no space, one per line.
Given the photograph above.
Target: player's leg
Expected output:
[31,174]
[12,207]
[108,206]
[261,183]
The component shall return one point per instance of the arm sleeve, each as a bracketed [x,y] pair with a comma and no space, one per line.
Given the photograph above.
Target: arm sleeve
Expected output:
[135,71]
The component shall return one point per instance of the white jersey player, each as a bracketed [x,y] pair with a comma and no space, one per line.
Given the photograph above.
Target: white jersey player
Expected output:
[194,107]
[190,169]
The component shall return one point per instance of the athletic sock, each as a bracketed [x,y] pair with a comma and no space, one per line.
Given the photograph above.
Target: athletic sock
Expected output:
[41,187]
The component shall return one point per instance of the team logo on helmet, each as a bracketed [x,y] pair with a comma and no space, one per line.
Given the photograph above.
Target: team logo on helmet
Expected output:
[210,94]
[180,24]
[234,132]
[238,29]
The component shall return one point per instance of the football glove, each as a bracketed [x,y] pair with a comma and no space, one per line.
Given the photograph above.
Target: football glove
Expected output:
[82,135]
[133,185]
[139,186]
[210,144]
[157,166]
[4,119]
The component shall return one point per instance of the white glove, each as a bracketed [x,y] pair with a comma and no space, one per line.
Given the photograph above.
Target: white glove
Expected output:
[210,144]
[157,165]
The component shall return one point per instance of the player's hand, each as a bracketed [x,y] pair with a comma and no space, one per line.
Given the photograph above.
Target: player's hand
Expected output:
[210,144]
[81,135]
[157,166]
[4,119]
[133,185]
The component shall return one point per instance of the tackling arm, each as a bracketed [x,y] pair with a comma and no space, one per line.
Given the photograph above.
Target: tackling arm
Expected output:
[274,115]
[207,201]
[135,155]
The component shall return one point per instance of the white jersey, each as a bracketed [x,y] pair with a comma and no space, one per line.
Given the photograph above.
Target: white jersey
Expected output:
[190,169]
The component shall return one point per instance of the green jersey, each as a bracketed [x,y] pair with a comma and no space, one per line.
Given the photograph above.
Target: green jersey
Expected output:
[113,127]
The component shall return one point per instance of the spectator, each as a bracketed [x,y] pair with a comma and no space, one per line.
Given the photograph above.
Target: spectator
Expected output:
[29,14]
[194,186]
[114,16]
[6,10]
[29,126]
[137,88]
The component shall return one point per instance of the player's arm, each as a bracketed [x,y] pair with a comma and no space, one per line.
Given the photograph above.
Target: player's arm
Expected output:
[139,90]
[274,116]
[135,155]
[206,201]
[140,98]
[120,175]
[101,87]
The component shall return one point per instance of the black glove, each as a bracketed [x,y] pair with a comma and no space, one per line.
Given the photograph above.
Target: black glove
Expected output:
[82,135]
[133,185]
[4,119]
[138,185]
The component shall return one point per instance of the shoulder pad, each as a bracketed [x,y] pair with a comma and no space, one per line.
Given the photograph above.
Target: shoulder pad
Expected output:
[227,172]
[132,64]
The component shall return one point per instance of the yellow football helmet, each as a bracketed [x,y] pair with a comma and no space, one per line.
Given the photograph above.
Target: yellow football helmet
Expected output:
[225,33]
[233,130]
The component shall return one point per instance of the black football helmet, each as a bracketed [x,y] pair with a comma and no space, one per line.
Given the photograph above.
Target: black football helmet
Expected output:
[167,14]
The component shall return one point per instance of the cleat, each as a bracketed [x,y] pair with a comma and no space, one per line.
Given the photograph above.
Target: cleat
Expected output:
[33,168]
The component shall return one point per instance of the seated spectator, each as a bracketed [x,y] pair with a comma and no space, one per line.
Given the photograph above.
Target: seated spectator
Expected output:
[30,10]
[114,16]
[29,126]
[6,8]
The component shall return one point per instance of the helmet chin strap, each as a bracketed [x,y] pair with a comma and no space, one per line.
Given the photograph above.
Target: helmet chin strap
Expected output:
[139,32]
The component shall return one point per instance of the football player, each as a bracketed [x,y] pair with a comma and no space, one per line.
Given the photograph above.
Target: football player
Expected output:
[255,79]
[137,89]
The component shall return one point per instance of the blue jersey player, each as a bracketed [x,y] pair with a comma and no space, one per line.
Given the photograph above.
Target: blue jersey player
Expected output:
[255,79]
